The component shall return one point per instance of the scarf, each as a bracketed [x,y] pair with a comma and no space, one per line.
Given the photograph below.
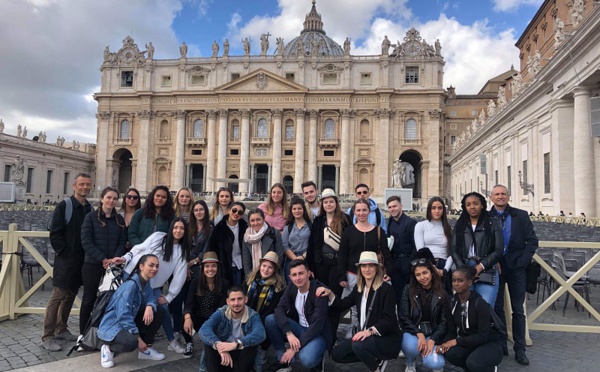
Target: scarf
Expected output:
[255,238]
[266,294]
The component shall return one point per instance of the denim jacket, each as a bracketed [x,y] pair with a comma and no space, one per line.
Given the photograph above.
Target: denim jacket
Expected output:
[218,328]
[123,307]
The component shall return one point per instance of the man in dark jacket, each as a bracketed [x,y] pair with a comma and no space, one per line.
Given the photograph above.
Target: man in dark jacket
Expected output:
[520,244]
[301,319]
[402,228]
[65,237]
[227,239]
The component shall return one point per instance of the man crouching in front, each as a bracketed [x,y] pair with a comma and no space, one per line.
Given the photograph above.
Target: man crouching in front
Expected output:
[232,334]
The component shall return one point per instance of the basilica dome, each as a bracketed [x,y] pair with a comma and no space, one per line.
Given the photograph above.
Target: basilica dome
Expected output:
[313,38]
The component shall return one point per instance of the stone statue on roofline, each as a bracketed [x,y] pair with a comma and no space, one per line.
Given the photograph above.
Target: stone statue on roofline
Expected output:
[226,48]
[215,49]
[150,50]
[491,108]
[482,118]
[577,10]
[347,46]
[559,33]
[385,46]
[19,130]
[438,48]
[1,126]
[280,46]
[24,132]
[264,43]
[246,44]
[501,97]
[183,49]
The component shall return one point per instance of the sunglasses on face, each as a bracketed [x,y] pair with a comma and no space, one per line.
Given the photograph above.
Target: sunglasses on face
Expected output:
[420,261]
[132,197]
[362,192]
[239,212]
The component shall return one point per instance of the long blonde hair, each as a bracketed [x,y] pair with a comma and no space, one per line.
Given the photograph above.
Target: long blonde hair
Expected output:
[377,280]
[284,202]
[214,212]
[178,208]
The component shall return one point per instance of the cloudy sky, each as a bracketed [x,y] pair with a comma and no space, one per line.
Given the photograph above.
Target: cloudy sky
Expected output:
[51,50]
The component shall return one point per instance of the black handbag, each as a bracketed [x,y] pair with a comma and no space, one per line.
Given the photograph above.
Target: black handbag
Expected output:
[487,277]
[425,328]
[532,273]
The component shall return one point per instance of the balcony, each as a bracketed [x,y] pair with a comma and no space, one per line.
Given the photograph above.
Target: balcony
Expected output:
[123,141]
[325,142]
[411,142]
[164,140]
[260,141]
[196,142]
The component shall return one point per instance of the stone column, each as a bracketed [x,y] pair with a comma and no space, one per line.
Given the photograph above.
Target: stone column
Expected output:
[210,151]
[143,154]
[299,170]
[222,150]
[320,177]
[245,149]
[269,179]
[583,153]
[312,147]
[102,149]
[178,176]
[345,167]
[382,157]
[276,171]
[434,154]
[337,177]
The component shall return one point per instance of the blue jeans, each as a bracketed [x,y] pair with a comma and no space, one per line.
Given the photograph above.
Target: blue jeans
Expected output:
[236,275]
[309,356]
[487,291]
[167,322]
[410,348]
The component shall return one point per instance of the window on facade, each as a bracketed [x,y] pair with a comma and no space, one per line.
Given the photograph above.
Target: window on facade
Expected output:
[198,80]
[29,186]
[330,78]
[234,152]
[7,169]
[509,179]
[453,126]
[452,140]
[49,182]
[474,113]
[452,113]
[288,152]
[66,183]
[547,188]
[410,131]
[126,79]
[365,78]
[364,130]
[196,152]
[125,129]
[198,128]
[166,81]
[329,131]
[524,171]
[261,129]
[289,130]
[235,130]
[235,76]
[412,75]
[328,153]
[164,130]
[290,76]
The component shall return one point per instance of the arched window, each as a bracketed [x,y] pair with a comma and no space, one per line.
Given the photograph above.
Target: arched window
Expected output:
[329,129]
[262,130]
[125,130]
[289,130]
[198,128]
[410,131]
[364,129]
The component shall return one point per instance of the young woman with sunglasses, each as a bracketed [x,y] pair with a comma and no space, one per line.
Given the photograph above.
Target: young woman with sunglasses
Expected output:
[182,203]
[276,207]
[131,203]
[471,342]
[259,239]
[477,241]
[423,313]
[222,205]
[227,239]
[156,215]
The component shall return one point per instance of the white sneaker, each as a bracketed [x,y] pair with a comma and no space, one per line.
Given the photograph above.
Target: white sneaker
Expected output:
[150,354]
[382,365]
[176,347]
[106,357]
[401,355]
[411,367]
[285,369]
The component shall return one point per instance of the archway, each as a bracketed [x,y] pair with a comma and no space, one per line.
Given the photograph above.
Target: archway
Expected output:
[261,176]
[411,172]
[288,183]
[123,170]
[234,186]
[197,178]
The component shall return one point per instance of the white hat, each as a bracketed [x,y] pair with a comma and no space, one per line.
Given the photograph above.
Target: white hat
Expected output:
[368,257]
[328,193]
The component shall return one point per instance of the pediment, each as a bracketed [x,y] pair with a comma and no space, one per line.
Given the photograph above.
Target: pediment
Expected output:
[261,81]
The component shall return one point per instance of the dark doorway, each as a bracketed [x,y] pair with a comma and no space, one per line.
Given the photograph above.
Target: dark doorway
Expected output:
[234,186]
[288,183]
[123,182]
[261,176]
[328,177]
[197,178]
[412,177]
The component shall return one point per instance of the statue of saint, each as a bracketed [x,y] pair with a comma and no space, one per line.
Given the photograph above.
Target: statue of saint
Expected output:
[1,126]
[150,50]
[246,43]
[264,43]
[501,97]
[491,108]
[17,171]
[215,49]
[559,34]
[106,54]
[347,46]
[280,46]
[396,174]
[385,46]
[25,132]
[438,48]
[19,130]
[226,48]
[183,49]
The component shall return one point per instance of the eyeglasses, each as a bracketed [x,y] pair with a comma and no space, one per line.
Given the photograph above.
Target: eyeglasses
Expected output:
[133,197]
[239,212]
[362,192]
[420,261]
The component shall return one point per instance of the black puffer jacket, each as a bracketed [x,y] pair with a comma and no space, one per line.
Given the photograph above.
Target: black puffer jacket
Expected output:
[100,242]
[221,241]
[410,315]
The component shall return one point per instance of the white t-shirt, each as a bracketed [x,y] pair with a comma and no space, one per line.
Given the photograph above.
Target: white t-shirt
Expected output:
[472,247]
[236,251]
[300,301]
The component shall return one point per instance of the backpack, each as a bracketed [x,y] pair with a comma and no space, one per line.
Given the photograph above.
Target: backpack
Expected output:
[377,216]
[89,341]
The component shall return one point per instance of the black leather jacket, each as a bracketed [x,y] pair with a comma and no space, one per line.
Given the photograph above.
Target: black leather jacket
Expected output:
[489,251]
[411,316]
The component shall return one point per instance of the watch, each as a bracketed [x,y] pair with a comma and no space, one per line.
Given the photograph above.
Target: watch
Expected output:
[371,330]
[240,345]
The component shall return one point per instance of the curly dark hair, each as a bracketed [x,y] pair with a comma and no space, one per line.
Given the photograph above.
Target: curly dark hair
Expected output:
[166,212]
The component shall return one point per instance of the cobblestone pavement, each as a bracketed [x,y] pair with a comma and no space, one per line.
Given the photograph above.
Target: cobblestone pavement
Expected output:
[551,351]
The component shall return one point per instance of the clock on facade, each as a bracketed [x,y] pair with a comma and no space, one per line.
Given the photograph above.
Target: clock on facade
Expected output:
[412,48]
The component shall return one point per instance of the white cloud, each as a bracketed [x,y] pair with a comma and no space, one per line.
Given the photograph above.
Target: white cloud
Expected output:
[53,51]
[512,5]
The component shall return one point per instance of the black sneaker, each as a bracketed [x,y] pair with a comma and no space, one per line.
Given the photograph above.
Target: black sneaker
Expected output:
[189,350]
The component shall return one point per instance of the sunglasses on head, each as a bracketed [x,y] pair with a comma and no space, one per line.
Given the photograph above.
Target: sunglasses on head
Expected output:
[419,261]
[239,212]
[133,197]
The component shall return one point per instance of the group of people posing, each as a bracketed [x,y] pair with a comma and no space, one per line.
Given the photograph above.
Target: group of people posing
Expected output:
[282,274]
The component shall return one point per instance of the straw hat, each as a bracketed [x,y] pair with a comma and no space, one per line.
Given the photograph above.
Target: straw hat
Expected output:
[271,257]
[210,256]
[328,193]
[368,257]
